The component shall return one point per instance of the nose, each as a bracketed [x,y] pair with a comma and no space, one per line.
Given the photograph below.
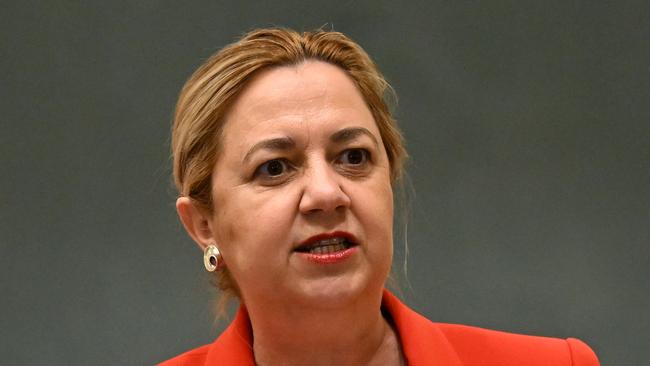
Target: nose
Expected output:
[322,190]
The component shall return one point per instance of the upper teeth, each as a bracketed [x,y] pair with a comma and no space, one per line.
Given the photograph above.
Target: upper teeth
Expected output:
[331,241]
[326,246]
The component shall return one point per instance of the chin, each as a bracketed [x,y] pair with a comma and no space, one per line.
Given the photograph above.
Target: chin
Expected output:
[338,291]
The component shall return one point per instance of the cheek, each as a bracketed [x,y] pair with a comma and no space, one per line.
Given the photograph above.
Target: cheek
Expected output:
[375,212]
[253,222]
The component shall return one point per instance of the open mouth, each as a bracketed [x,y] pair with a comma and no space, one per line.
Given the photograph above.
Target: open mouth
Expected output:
[326,246]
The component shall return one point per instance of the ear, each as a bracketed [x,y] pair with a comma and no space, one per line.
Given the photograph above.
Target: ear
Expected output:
[196,221]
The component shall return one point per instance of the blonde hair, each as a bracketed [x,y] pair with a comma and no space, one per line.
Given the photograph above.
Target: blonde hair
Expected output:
[207,95]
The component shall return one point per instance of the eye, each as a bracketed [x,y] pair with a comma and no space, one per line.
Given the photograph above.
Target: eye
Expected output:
[272,168]
[354,157]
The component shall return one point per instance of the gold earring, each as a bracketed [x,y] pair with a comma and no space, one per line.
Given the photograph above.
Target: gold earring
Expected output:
[212,258]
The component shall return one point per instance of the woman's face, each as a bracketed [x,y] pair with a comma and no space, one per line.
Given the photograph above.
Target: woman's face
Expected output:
[303,205]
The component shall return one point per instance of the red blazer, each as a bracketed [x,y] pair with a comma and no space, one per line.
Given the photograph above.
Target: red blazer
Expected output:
[423,343]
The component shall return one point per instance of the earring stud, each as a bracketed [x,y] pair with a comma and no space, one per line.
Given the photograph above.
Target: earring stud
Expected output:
[212,259]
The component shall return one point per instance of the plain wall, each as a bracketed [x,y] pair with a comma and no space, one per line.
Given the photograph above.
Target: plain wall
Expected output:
[526,122]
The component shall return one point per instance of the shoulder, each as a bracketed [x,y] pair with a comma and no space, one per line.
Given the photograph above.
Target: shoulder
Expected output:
[425,343]
[473,344]
[193,357]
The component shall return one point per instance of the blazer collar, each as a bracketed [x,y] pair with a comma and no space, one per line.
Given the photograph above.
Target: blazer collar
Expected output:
[234,347]
[423,343]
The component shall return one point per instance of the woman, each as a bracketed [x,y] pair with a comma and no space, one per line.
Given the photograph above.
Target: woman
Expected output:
[285,155]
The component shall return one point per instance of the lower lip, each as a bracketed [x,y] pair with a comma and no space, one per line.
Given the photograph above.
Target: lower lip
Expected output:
[330,258]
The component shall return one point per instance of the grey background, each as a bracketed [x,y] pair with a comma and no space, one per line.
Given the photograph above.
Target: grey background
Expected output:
[527,123]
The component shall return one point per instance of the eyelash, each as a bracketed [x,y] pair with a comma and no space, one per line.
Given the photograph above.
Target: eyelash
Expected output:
[287,166]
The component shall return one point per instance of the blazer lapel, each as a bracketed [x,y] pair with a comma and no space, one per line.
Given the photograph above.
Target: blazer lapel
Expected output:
[234,347]
[423,342]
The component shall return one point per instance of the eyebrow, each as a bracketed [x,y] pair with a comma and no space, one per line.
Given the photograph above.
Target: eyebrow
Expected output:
[277,144]
[352,133]
[287,143]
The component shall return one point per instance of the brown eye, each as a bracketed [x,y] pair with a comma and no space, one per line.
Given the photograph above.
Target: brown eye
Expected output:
[354,157]
[272,168]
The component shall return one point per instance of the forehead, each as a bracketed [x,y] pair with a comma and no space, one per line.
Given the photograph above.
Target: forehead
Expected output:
[311,96]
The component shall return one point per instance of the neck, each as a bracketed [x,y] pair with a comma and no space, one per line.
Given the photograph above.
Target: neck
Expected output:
[354,334]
